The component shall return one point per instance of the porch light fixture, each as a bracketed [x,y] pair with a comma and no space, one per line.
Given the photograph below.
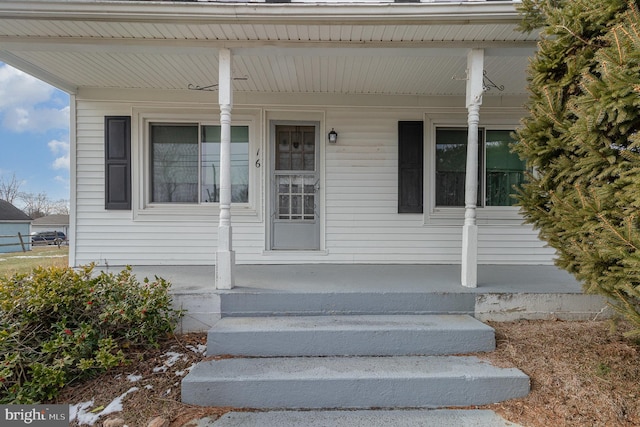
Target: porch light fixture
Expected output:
[333,136]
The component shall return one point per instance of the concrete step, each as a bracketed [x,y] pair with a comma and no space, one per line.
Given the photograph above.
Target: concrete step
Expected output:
[254,302]
[372,335]
[351,382]
[377,418]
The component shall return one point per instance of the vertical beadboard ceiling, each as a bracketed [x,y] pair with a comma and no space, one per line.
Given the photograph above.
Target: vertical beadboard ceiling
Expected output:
[402,56]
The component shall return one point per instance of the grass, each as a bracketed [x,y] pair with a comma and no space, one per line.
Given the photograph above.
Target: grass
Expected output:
[24,262]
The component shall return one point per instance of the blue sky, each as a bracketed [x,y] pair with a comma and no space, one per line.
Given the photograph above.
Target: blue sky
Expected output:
[34,134]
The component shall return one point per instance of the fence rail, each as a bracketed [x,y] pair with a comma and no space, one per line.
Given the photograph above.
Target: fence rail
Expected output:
[20,241]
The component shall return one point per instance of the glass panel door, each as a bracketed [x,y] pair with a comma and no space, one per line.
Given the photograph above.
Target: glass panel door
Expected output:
[295,212]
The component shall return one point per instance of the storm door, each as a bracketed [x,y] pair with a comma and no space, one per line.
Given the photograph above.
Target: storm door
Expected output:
[295,184]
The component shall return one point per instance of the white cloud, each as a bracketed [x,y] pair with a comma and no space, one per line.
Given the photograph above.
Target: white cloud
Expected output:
[26,103]
[61,150]
[18,88]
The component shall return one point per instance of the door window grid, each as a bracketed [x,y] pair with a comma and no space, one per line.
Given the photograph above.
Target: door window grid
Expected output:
[296,197]
[295,172]
[296,148]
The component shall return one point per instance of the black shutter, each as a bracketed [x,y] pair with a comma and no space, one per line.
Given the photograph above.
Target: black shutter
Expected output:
[117,162]
[410,166]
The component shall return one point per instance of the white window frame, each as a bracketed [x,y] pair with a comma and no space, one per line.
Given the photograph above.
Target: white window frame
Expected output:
[454,216]
[145,210]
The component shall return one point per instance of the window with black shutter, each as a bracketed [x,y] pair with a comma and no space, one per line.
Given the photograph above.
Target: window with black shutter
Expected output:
[117,162]
[410,166]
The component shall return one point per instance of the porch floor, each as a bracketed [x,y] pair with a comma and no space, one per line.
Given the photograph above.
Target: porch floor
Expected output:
[316,278]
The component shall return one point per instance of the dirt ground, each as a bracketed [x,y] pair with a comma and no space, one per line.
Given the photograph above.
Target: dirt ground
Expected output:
[582,374]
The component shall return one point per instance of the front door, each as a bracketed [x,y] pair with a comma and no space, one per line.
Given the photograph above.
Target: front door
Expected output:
[295,183]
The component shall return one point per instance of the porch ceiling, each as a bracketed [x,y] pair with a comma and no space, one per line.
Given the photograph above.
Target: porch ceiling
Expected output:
[406,49]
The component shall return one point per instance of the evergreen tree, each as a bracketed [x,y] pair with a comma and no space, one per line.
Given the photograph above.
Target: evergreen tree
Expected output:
[582,137]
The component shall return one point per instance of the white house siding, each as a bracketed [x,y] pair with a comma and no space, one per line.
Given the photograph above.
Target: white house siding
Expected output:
[360,224]
[362,185]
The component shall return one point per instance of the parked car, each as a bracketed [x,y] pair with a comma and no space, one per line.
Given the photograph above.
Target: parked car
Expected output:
[49,238]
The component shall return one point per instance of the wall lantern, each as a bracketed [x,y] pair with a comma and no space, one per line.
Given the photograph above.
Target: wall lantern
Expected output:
[333,136]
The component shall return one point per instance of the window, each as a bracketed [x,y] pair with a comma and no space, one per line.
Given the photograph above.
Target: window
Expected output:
[499,171]
[503,169]
[211,164]
[174,160]
[185,163]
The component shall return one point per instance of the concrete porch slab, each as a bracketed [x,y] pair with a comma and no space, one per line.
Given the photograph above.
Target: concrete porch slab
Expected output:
[369,277]
[504,292]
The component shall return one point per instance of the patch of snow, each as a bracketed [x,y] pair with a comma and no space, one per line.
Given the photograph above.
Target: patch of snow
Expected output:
[133,378]
[200,348]
[116,404]
[180,373]
[79,412]
[149,387]
[172,359]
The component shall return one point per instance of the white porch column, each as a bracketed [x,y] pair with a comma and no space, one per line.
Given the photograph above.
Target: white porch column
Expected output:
[225,256]
[475,67]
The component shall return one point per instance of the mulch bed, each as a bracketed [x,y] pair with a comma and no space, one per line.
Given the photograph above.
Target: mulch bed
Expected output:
[582,374]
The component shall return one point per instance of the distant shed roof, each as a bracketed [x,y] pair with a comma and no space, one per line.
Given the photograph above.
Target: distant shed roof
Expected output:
[8,212]
[51,220]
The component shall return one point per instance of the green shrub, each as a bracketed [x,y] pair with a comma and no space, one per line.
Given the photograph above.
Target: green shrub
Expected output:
[582,136]
[58,325]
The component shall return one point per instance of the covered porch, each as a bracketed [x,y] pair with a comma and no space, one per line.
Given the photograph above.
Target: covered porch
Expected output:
[361,69]
[504,292]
